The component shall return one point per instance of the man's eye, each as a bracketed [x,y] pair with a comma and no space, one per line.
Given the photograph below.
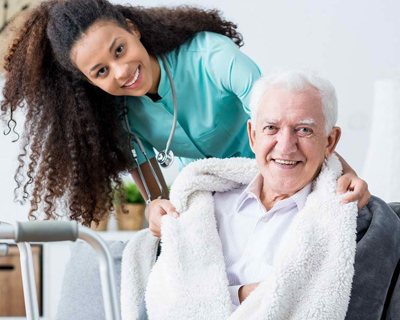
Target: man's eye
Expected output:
[304,130]
[119,50]
[269,129]
[101,71]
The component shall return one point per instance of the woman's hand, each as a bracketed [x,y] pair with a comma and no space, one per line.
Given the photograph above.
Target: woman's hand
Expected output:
[245,290]
[350,182]
[158,208]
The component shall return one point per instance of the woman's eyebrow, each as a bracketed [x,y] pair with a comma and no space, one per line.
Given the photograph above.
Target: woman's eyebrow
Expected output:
[113,44]
[94,67]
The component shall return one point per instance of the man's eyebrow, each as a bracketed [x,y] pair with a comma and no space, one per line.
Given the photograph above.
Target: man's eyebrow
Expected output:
[270,120]
[113,44]
[310,122]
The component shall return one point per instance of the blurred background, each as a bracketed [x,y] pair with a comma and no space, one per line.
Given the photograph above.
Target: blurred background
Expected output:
[351,43]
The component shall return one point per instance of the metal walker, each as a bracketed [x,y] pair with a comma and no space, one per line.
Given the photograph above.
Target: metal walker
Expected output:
[50,231]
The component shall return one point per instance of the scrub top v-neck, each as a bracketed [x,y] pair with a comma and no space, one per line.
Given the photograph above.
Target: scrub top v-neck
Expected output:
[212,79]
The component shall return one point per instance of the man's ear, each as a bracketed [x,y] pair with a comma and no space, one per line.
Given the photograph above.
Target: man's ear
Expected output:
[133,28]
[332,141]
[251,131]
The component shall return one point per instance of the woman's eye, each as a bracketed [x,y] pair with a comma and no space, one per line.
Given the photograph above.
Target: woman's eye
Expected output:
[119,50]
[102,71]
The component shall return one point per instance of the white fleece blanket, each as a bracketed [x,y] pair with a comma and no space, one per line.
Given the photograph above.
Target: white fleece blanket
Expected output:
[310,280]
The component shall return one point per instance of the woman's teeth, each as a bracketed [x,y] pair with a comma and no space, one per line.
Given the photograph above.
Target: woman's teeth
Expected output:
[134,78]
[285,162]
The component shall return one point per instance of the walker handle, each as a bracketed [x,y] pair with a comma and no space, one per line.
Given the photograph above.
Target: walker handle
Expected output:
[3,250]
[46,231]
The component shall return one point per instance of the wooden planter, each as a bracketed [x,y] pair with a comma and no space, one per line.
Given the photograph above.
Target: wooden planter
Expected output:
[102,225]
[132,220]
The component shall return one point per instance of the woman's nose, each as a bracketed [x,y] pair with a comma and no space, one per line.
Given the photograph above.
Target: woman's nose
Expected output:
[122,72]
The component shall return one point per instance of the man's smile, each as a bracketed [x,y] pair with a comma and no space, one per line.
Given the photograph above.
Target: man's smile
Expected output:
[285,164]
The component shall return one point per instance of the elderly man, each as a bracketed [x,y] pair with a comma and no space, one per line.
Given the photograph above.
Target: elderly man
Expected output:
[291,133]
[269,239]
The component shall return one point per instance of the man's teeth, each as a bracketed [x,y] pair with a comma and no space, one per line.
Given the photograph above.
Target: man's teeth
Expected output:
[285,162]
[134,79]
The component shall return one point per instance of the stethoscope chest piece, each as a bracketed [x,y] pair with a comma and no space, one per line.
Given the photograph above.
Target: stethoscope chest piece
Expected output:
[165,159]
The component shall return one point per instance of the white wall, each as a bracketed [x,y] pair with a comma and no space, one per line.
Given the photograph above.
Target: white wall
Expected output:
[9,211]
[352,43]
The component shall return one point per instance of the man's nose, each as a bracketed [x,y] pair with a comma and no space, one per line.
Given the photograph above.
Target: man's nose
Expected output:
[287,141]
[121,71]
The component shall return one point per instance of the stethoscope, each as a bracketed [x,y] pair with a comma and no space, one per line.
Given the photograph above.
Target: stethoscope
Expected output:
[165,157]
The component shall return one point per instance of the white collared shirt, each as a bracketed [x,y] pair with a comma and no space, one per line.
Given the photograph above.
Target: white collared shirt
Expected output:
[252,236]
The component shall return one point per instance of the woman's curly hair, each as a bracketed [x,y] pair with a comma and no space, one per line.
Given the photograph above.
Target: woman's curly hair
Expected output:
[74,146]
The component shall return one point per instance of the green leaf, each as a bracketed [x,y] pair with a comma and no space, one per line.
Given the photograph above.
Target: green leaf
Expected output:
[132,194]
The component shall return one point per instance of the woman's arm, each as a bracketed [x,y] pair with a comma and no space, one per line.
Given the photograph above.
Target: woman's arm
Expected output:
[238,74]
[349,181]
[157,207]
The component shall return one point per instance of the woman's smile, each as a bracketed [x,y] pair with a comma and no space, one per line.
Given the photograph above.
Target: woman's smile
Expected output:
[135,80]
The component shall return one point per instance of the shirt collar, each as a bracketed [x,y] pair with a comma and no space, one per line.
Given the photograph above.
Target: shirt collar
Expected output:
[164,86]
[254,188]
[252,191]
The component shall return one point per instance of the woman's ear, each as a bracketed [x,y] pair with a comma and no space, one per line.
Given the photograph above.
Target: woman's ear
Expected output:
[133,28]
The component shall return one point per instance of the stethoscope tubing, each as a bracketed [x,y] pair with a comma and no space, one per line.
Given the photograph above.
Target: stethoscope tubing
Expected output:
[171,135]
[134,154]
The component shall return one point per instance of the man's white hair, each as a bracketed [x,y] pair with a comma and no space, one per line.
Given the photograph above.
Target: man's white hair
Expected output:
[297,81]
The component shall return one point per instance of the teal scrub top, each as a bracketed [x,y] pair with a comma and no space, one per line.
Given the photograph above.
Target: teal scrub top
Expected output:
[212,79]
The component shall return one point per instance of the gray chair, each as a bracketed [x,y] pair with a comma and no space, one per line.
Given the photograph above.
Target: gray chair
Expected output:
[81,296]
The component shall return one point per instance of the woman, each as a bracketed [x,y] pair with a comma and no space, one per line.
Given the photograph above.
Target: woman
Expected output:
[78,65]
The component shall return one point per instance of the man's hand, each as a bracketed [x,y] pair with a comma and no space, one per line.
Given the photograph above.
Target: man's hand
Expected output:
[158,208]
[245,290]
[350,182]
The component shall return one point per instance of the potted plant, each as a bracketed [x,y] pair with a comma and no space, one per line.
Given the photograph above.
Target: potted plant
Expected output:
[130,207]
